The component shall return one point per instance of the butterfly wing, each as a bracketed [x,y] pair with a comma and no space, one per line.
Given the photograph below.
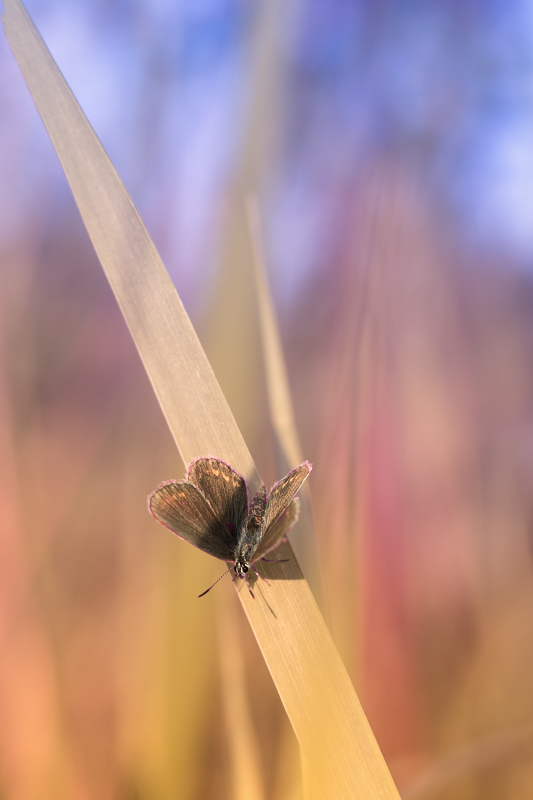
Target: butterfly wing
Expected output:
[181,508]
[277,532]
[282,493]
[223,488]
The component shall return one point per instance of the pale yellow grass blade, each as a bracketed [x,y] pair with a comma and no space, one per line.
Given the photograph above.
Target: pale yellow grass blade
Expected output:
[311,679]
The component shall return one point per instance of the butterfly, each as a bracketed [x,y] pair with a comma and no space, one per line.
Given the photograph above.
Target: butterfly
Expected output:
[211,509]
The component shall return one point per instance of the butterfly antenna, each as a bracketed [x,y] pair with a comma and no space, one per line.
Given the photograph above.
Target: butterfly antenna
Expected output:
[215,583]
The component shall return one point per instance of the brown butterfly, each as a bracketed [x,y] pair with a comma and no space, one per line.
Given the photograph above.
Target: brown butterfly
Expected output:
[211,510]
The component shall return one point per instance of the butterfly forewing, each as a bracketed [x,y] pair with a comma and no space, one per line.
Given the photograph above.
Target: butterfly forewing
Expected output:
[282,494]
[223,488]
[180,506]
[277,532]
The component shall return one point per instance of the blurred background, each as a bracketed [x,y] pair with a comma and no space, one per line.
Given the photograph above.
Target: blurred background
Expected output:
[390,145]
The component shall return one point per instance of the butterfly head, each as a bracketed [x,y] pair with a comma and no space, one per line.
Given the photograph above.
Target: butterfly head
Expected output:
[241,568]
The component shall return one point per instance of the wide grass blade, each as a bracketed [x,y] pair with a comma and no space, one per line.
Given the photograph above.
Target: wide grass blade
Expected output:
[309,675]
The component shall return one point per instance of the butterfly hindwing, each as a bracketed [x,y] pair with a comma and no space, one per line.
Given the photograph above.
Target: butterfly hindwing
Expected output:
[277,532]
[282,494]
[182,508]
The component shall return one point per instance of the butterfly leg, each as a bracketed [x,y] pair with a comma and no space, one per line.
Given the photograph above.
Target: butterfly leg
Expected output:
[275,560]
[260,576]
[243,577]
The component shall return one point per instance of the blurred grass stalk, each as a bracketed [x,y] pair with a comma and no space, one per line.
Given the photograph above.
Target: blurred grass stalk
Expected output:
[33,747]
[289,450]
[495,751]
[247,780]
[308,673]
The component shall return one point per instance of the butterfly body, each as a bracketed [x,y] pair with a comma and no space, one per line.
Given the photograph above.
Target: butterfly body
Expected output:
[211,509]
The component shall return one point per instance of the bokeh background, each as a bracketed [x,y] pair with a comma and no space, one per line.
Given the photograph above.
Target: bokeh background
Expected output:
[390,145]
